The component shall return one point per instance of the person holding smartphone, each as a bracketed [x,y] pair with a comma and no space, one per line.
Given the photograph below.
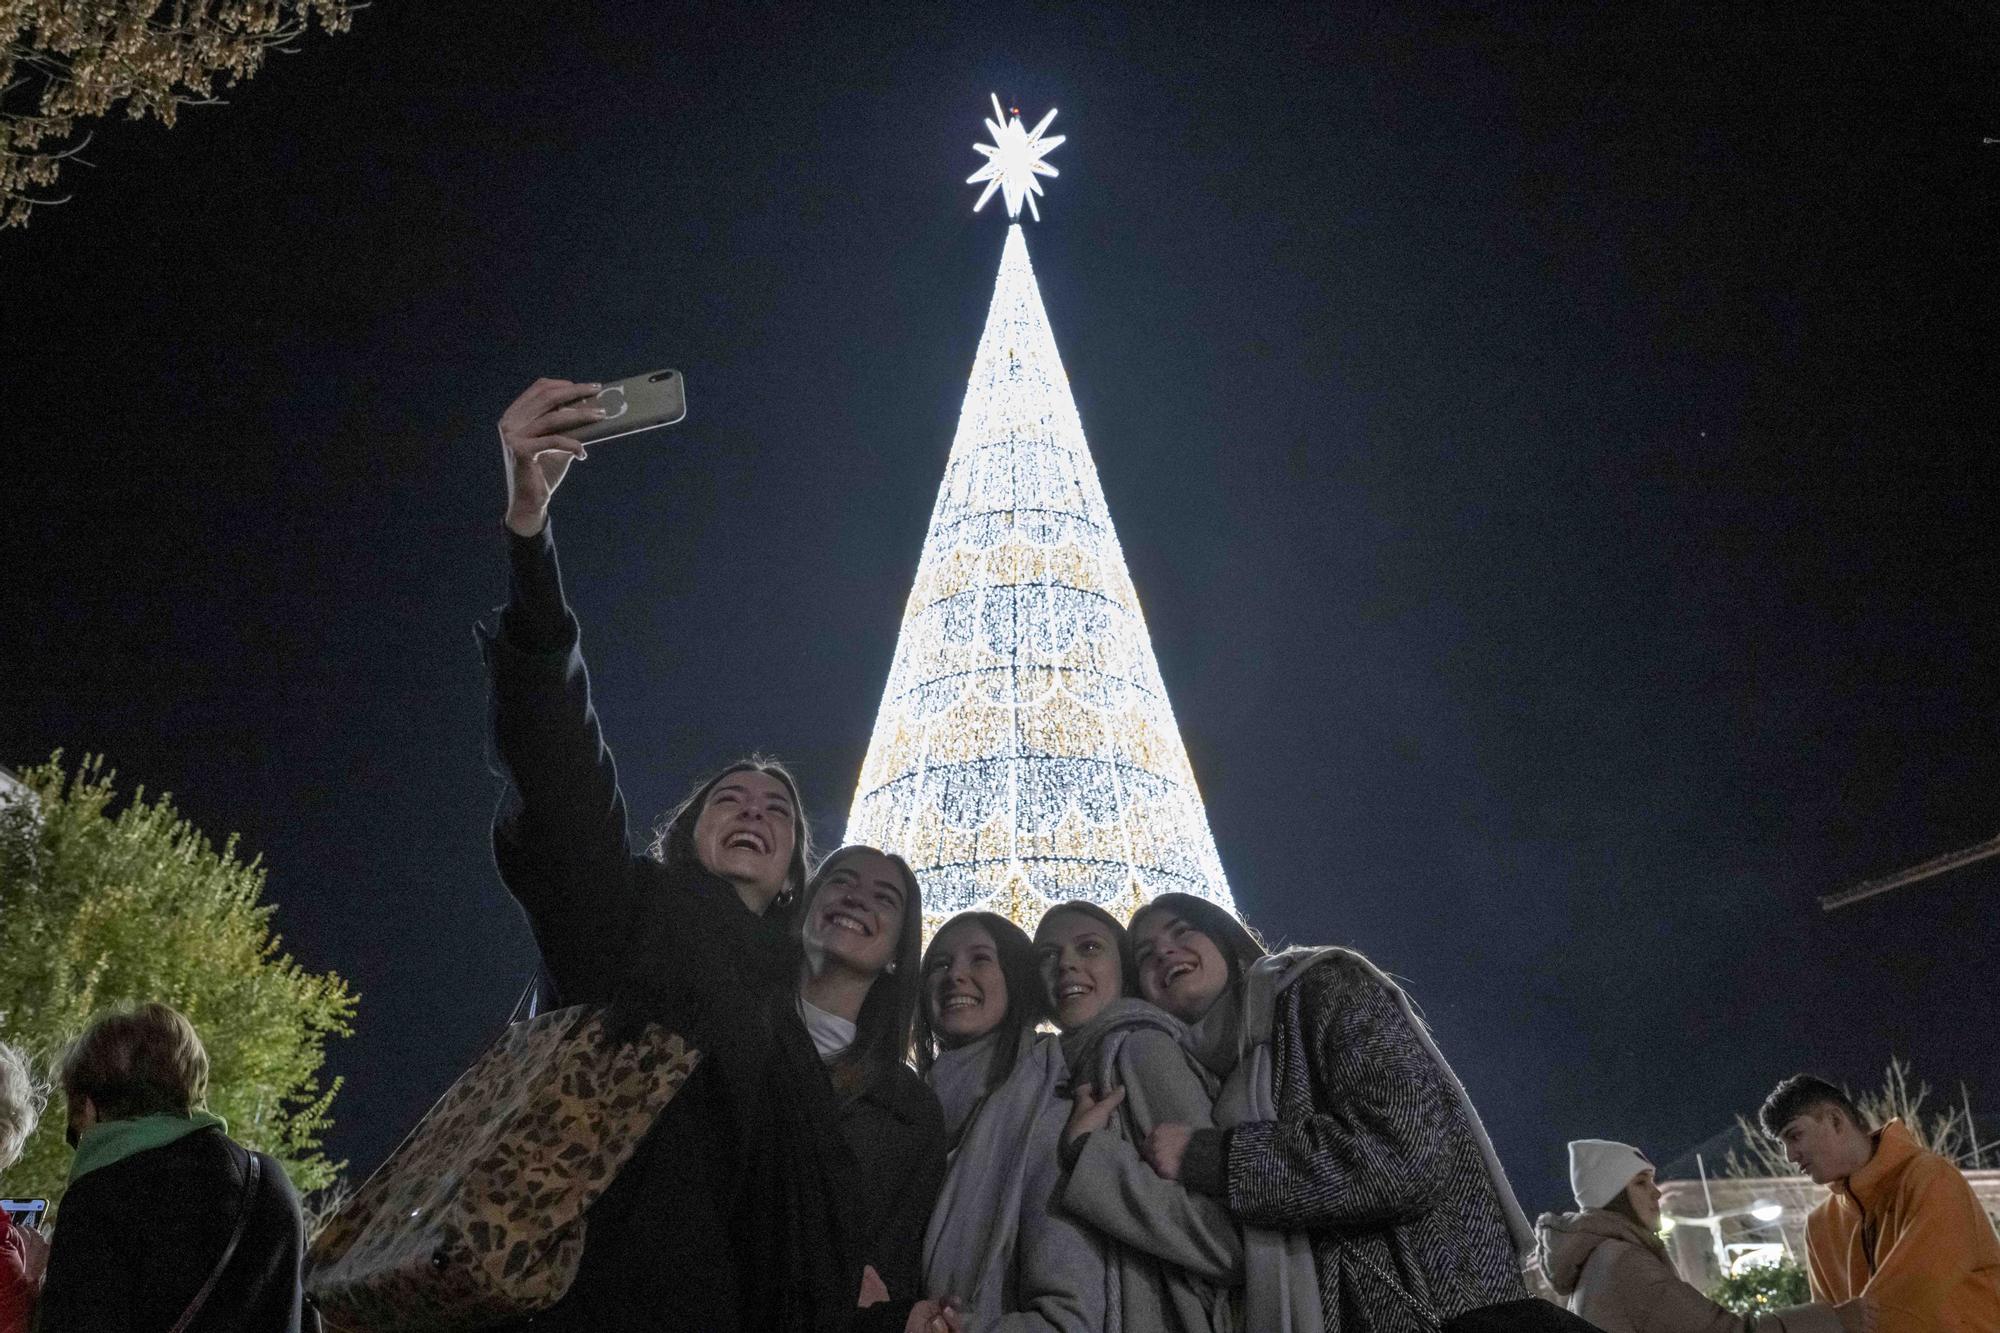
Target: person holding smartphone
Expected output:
[734,1213]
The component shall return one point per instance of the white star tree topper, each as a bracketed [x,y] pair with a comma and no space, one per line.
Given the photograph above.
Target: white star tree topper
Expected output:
[1013,160]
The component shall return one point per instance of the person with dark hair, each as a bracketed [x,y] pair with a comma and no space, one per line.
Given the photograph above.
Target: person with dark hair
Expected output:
[1173,1257]
[999,1244]
[1610,1266]
[860,923]
[1900,1227]
[1369,1194]
[738,1210]
[981,978]
[165,1217]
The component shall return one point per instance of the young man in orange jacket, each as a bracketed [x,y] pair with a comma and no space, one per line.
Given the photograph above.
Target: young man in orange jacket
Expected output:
[1900,1225]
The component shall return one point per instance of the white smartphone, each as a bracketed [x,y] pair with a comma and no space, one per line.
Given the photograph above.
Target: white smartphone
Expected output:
[635,403]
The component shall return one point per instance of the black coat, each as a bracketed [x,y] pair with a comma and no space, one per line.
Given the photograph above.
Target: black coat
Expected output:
[738,1209]
[896,1131]
[135,1240]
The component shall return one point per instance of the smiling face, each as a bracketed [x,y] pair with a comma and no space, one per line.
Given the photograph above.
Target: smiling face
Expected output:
[1643,1194]
[1180,968]
[746,831]
[855,917]
[1079,967]
[965,987]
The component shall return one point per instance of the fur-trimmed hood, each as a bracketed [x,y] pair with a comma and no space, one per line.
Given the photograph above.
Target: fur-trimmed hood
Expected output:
[1567,1240]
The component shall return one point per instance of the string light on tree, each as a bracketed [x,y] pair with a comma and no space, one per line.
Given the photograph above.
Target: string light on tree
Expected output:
[1025,752]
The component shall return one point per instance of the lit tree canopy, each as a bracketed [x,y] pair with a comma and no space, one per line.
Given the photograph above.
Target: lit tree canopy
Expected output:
[1025,752]
[62,62]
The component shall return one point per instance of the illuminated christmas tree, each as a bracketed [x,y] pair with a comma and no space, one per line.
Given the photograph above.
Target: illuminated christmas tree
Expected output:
[1025,752]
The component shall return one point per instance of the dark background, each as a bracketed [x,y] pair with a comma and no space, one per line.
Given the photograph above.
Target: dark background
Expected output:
[1552,448]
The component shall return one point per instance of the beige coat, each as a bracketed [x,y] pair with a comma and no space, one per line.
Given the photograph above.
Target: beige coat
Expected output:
[1618,1277]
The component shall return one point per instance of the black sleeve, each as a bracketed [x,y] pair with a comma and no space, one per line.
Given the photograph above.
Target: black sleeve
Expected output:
[899,1255]
[92,1279]
[560,837]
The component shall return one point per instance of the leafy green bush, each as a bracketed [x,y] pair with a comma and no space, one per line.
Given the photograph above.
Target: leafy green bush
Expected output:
[1761,1288]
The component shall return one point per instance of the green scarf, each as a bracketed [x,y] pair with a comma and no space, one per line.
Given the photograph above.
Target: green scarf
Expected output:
[114,1140]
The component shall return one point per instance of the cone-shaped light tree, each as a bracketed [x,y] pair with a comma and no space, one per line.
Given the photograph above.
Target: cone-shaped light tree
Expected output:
[1025,752]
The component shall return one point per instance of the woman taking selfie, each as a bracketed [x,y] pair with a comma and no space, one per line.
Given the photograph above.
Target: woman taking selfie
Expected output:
[730,1213]
[1350,1153]
[1174,1255]
[998,1244]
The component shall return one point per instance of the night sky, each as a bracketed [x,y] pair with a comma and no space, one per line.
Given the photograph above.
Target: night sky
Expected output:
[1553,451]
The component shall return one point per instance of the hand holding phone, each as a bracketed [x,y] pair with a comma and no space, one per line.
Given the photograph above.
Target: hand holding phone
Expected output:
[636,403]
[545,429]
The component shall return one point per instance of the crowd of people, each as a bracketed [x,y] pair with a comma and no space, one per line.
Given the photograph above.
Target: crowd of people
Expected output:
[1150,1124]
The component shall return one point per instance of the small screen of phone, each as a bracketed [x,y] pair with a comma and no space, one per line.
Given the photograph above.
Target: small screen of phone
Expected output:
[25,1212]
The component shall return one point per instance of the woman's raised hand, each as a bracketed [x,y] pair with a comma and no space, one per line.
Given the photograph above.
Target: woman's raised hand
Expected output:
[1088,1111]
[536,451]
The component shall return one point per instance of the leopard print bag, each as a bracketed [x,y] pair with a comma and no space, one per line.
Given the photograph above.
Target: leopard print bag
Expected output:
[478,1217]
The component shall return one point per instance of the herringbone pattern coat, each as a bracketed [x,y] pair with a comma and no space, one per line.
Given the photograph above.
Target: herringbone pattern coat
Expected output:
[1372,1157]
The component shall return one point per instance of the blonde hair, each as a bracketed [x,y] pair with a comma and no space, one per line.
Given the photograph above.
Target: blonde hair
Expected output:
[137,1062]
[22,1098]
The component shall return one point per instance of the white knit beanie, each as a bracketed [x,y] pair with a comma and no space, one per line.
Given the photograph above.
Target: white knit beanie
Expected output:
[1599,1170]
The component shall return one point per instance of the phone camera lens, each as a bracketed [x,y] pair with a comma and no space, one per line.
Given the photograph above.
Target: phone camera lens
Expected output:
[663,375]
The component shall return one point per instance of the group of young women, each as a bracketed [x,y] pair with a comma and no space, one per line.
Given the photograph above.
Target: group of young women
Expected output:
[1210,1138]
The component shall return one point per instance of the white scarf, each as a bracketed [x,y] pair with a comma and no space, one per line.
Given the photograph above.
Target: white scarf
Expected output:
[969,1249]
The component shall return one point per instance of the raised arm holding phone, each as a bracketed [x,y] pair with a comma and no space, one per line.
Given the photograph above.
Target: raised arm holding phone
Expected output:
[734,1212]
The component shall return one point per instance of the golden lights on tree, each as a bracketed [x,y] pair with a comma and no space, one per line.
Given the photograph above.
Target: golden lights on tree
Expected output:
[1025,752]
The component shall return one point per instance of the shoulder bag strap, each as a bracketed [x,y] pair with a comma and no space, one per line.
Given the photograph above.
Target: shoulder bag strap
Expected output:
[250,1178]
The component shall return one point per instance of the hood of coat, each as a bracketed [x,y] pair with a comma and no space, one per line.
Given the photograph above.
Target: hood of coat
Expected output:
[1567,1240]
[1895,1148]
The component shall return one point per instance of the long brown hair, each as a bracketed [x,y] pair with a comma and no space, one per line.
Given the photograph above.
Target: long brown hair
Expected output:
[882,1028]
[1027,1005]
[673,832]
